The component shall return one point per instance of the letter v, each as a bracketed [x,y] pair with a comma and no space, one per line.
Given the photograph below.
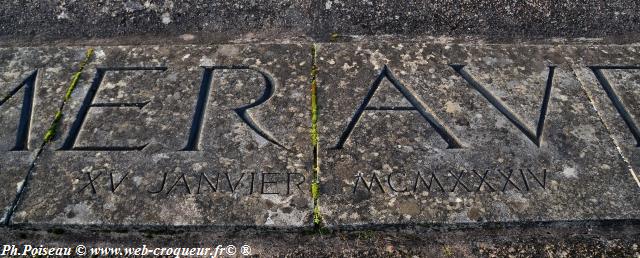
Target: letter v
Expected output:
[535,137]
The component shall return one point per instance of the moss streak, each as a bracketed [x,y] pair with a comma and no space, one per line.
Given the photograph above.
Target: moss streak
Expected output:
[315,183]
[53,128]
[48,136]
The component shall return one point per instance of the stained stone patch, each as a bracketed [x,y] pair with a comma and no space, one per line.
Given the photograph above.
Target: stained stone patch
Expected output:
[180,136]
[32,82]
[419,133]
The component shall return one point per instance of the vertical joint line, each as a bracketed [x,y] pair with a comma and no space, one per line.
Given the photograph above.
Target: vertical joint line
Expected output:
[315,181]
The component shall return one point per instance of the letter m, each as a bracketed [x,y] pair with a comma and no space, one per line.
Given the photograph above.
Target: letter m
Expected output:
[24,124]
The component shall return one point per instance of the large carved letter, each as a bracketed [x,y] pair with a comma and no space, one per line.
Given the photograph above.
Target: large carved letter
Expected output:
[24,125]
[535,137]
[617,103]
[193,144]
[88,103]
[416,104]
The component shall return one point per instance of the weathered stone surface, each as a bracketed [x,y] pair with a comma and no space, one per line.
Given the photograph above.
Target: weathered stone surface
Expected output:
[464,150]
[451,135]
[132,160]
[614,74]
[32,82]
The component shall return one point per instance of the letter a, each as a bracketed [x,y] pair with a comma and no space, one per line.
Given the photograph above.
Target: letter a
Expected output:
[417,105]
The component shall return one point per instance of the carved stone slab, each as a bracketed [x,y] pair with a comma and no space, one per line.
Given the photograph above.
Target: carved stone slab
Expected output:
[418,133]
[32,83]
[409,133]
[180,136]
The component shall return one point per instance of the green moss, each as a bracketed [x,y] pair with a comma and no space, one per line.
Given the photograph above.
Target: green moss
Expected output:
[315,183]
[53,128]
[317,231]
[76,75]
[72,85]
[315,194]
[315,189]
[334,37]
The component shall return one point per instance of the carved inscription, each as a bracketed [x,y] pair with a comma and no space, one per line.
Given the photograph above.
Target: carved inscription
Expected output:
[193,143]
[197,183]
[112,186]
[24,124]
[416,105]
[615,99]
[471,181]
[198,117]
[535,137]
[88,103]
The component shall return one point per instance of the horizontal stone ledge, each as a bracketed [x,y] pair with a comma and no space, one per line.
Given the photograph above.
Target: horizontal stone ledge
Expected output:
[409,133]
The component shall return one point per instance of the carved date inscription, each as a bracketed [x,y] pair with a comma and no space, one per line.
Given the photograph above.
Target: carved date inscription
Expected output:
[465,181]
[197,183]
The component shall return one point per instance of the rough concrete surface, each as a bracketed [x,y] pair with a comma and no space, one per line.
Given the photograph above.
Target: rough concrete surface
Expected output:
[195,21]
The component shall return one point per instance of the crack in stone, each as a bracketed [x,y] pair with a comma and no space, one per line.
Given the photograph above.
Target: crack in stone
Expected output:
[48,136]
